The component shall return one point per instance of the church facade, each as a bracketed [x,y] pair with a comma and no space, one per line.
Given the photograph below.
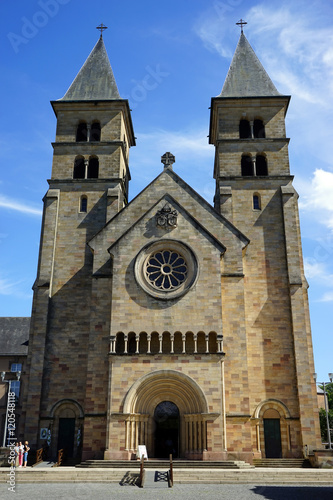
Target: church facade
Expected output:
[169,322]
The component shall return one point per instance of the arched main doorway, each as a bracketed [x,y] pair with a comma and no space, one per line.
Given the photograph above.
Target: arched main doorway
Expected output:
[166,418]
[166,401]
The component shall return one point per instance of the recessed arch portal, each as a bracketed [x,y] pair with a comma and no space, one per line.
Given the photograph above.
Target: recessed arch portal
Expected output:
[165,385]
[187,432]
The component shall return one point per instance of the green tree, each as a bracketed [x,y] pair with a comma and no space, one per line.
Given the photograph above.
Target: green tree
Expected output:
[322,413]
[323,424]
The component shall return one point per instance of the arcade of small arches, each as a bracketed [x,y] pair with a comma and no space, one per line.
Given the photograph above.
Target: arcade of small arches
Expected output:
[166,343]
[88,132]
[251,129]
[86,168]
[254,166]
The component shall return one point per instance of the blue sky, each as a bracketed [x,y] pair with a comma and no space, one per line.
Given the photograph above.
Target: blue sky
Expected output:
[169,59]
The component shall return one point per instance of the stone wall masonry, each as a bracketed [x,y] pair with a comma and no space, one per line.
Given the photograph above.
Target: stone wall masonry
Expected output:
[111,115]
[230,156]
[110,156]
[271,114]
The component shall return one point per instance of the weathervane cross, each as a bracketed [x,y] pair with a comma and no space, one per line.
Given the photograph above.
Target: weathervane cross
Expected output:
[241,23]
[102,27]
[168,159]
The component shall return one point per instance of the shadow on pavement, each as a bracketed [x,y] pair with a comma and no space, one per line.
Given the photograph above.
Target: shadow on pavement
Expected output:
[294,492]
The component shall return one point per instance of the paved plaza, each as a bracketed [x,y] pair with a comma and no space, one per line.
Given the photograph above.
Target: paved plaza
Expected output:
[105,491]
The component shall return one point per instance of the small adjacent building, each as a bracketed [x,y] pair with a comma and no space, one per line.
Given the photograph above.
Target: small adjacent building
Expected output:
[14,341]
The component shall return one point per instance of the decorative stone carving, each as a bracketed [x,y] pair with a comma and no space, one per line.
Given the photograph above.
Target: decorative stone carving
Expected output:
[166,217]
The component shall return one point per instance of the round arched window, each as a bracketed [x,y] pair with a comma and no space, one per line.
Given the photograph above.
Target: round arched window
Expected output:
[166,269]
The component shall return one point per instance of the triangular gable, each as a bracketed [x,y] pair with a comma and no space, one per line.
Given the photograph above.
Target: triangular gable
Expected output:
[168,199]
[168,184]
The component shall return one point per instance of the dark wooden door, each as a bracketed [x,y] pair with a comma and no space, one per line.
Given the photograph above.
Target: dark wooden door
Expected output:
[272,434]
[66,435]
[166,419]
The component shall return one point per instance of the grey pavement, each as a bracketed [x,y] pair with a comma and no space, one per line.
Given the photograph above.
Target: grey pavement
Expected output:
[105,491]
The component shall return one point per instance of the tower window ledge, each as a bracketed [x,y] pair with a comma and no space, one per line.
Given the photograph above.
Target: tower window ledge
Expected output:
[142,354]
[255,139]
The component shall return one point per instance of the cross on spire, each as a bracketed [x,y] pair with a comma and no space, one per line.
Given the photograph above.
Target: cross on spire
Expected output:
[241,23]
[168,159]
[102,27]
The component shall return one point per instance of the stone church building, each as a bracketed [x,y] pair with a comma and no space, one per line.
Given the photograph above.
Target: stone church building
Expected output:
[167,321]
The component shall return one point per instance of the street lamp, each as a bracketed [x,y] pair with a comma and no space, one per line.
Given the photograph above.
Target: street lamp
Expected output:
[3,375]
[330,376]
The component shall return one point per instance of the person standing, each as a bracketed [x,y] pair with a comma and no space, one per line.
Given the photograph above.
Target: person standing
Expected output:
[20,453]
[25,453]
[16,450]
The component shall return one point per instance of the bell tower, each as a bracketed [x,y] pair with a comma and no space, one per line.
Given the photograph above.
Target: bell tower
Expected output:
[88,186]
[254,191]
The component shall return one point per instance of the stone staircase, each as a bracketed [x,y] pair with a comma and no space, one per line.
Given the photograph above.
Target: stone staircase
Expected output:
[284,463]
[191,475]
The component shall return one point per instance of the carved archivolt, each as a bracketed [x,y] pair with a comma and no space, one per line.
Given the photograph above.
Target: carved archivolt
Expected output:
[165,385]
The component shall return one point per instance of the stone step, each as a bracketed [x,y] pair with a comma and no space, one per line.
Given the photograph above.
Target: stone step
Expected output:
[282,462]
[156,464]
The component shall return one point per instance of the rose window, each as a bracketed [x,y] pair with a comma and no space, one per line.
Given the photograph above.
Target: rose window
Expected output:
[166,270]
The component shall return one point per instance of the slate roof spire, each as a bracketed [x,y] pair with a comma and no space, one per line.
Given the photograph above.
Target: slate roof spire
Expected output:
[95,80]
[246,76]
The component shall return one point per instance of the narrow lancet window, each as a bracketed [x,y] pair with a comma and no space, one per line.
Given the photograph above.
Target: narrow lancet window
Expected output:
[95,133]
[93,168]
[261,165]
[256,202]
[247,166]
[259,129]
[81,132]
[244,129]
[79,168]
[83,204]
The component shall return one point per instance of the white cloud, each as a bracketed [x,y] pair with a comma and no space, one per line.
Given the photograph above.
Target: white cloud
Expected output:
[327,297]
[7,287]
[194,158]
[19,206]
[314,269]
[317,197]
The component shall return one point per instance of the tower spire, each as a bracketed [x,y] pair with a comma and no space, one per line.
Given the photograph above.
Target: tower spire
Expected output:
[246,76]
[95,80]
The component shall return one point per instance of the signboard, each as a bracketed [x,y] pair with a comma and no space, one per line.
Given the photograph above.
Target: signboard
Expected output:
[142,450]
[43,433]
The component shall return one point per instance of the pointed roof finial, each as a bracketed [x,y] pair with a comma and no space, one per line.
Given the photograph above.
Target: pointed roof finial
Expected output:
[102,27]
[241,23]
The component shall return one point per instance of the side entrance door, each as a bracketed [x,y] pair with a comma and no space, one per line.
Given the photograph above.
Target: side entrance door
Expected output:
[66,435]
[272,434]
